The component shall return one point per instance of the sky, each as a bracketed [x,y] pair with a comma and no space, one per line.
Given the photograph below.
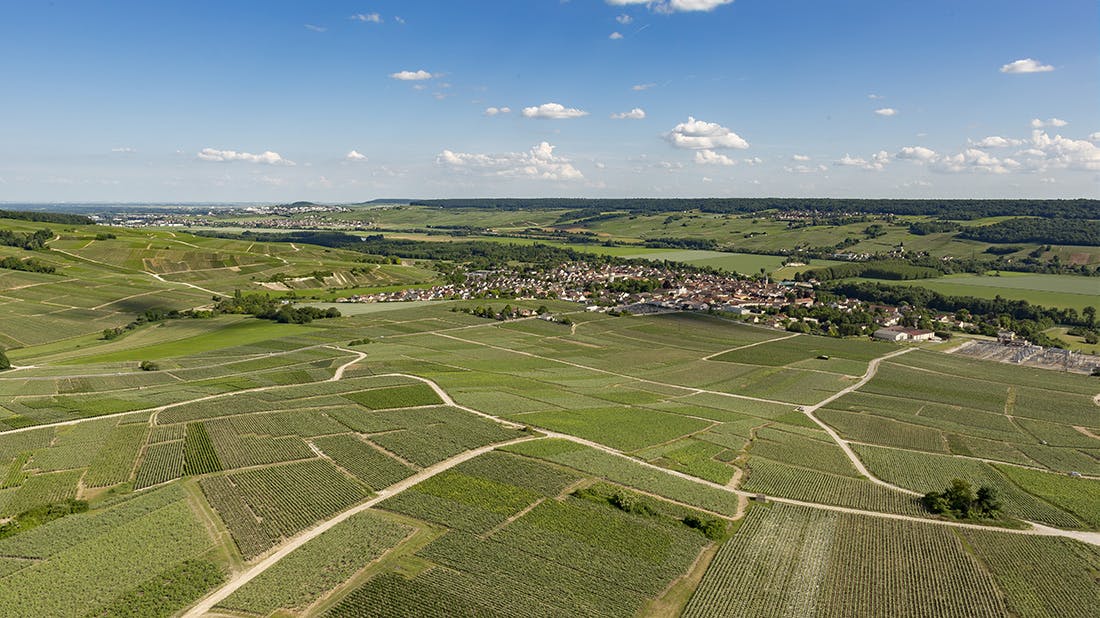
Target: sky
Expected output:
[277,101]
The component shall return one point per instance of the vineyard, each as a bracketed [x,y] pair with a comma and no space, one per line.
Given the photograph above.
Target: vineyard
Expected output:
[789,559]
[243,443]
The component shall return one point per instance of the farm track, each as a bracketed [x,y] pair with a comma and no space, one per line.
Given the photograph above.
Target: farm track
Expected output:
[872,369]
[289,546]
[143,272]
[692,389]
[208,603]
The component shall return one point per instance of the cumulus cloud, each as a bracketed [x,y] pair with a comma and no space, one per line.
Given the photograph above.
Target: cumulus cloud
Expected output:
[1026,65]
[673,6]
[1038,123]
[701,135]
[615,36]
[355,155]
[267,157]
[709,157]
[1063,152]
[875,97]
[996,141]
[373,18]
[554,111]
[752,161]
[805,169]
[635,114]
[800,157]
[886,111]
[641,87]
[917,153]
[412,76]
[539,162]
[624,19]
[1095,137]
[124,150]
[877,162]
[495,111]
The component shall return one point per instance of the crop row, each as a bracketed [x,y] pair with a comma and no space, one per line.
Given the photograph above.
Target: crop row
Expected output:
[777,479]
[926,472]
[163,462]
[321,564]
[368,464]
[115,460]
[293,496]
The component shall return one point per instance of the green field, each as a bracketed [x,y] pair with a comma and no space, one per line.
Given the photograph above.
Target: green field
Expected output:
[1048,290]
[252,434]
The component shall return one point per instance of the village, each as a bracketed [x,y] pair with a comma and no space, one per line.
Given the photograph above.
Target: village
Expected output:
[640,289]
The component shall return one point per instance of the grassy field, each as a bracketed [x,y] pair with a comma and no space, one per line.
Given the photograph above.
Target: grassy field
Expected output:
[252,433]
[1049,290]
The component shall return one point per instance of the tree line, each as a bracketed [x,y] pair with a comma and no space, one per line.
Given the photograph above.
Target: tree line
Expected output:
[1055,231]
[948,208]
[60,218]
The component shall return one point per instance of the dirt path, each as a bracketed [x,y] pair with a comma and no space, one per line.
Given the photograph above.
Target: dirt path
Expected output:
[872,369]
[337,375]
[143,272]
[294,543]
[751,345]
[692,389]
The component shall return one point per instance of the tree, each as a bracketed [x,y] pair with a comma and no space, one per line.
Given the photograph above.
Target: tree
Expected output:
[4,362]
[1089,314]
[960,501]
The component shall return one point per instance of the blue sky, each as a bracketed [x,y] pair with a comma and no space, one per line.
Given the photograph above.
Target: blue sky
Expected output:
[342,101]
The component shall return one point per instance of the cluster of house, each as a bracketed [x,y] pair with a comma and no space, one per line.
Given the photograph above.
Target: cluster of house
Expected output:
[580,282]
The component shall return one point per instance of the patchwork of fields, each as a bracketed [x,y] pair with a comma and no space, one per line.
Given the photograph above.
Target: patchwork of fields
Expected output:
[274,469]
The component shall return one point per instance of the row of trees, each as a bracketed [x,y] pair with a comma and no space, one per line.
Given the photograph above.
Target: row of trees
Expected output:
[954,209]
[25,240]
[1056,231]
[30,265]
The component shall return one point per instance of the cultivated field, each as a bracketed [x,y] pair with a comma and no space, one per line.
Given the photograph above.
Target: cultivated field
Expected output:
[460,466]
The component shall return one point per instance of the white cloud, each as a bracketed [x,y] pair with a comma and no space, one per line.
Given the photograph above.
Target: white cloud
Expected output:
[917,153]
[800,157]
[399,19]
[1037,123]
[875,97]
[635,114]
[805,169]
[701,135]
[555,111]
[124,150]
[641,87]
[355,155]
[1063,152]
[412,76]
[877,163]
[673,6]
[752,161]
[624,19]
[709,157]
[1026,65]
[886,111]
[373,18]
[996,141]
[315,28]
[493,111]
[267,157]
[1095,137]
[540,163]
[977,160]
[615,36]
[1047,181]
